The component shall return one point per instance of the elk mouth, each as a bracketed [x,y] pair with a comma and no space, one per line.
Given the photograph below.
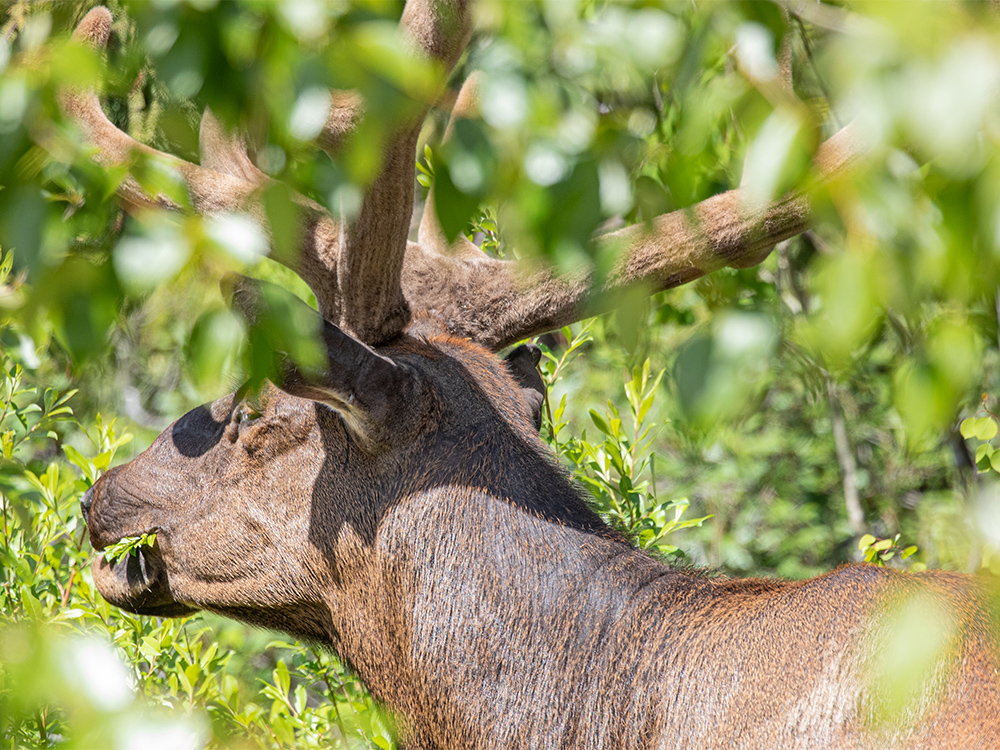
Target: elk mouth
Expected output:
[138,583]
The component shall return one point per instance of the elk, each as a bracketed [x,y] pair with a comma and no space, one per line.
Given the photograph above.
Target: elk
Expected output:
[392,500]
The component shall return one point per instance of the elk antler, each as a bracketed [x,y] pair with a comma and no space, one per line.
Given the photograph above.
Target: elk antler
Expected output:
[497,302]
[354,268]
[367,277]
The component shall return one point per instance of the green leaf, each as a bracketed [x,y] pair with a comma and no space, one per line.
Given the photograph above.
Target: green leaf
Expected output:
[191,673]
[76,458]
[283,219]
[689,524]
[865,542]
[129,545]
[454,208]
[103,460]
[282,680]
[5,266]
[986,429]
[599,422]
[209,654]
[984,455]
[150,647]
[33,605]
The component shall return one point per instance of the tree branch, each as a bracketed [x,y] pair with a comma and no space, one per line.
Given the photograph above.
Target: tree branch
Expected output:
[845,458]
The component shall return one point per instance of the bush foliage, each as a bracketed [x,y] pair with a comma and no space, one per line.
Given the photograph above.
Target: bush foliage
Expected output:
[835,402]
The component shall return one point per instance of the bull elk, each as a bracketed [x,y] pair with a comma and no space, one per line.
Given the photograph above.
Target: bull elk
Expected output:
[393,501]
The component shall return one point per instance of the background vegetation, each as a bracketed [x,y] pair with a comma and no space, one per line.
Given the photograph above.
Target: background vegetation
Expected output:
[798,405]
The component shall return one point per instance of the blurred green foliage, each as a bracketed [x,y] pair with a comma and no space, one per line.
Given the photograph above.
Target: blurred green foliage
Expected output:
[747,412]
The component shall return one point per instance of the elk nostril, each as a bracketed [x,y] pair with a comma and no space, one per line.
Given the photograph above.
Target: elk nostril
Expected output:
[85,502]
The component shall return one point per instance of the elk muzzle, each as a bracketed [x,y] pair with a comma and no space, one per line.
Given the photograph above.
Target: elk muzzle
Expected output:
[137,582]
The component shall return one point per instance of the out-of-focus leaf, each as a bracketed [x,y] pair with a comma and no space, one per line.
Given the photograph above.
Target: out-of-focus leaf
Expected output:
[454,208]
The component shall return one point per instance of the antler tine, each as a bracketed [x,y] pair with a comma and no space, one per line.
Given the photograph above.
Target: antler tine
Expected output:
[496,303]
[320,235]
[370,262]
[222,152]
[209,191]
[227,182]
[346,110]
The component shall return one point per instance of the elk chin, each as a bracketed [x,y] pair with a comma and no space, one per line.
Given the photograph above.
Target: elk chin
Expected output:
[138,583]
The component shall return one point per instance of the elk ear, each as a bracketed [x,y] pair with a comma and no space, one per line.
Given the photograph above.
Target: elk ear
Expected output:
[306,356]
[522,363]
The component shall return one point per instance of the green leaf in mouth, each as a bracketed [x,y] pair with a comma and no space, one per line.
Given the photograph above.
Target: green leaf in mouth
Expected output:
[128,545]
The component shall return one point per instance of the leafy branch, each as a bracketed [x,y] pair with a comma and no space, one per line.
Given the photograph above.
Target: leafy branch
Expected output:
[881,551]
[619,469]
[129,545]
[984,429]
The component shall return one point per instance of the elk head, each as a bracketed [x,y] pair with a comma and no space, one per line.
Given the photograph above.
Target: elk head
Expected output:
[267,500]
[260,499]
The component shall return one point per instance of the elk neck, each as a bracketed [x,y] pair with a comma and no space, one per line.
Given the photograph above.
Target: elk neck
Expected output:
[494,616]
[472,605]
[493,627]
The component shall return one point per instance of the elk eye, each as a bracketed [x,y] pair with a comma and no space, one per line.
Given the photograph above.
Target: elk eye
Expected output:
[247,418]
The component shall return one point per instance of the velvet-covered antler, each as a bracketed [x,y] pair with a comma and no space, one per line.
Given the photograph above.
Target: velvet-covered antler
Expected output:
[367,277]
[354,268]
[497,302]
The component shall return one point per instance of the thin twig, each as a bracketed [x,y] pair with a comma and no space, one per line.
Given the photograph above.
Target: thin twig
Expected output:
[333,698]
[361,731]
[845,457]
[996,305]
[795,298]
[65,593]
[548,408]
[43,734]
[815,69]
[824,16]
